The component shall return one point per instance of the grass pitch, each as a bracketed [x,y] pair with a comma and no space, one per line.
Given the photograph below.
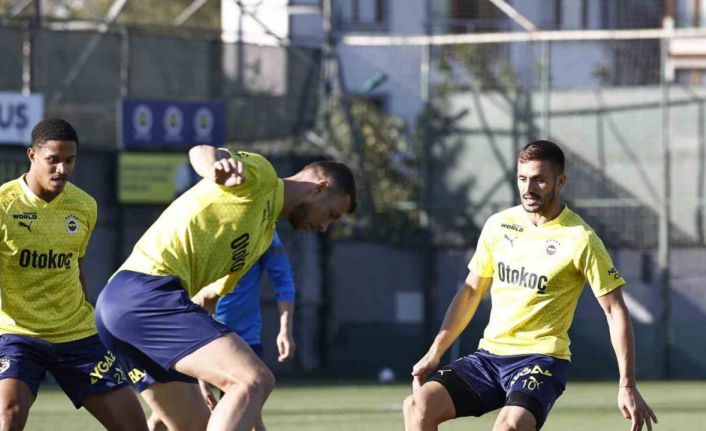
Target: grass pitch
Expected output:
[348,407]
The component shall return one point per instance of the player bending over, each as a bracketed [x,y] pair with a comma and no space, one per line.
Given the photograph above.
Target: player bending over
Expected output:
[198,249]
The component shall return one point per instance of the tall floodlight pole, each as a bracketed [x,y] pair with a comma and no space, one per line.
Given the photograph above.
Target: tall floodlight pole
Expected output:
[545,74]
[427,177]
[327,294]
[663,246]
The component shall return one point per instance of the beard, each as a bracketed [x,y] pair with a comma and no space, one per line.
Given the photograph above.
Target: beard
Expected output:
[541,203]
[297,218]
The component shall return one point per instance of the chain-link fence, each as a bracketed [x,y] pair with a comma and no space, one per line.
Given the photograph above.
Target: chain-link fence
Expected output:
[270,94]
[636,171]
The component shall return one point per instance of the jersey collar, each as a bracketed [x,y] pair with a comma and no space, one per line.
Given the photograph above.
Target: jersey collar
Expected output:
[34,199]
[555,221]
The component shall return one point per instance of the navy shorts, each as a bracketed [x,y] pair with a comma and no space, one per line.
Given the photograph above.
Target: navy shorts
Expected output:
[483,382]
[82,368]
[150,323]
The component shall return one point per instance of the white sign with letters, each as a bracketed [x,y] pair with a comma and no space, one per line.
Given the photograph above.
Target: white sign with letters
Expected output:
[18,114]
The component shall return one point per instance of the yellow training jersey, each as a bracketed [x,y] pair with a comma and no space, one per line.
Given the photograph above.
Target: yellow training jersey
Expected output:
[538,273]
[212,232]
[40,244]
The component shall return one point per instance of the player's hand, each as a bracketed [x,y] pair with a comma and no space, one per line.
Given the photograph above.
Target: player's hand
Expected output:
[207,298]
[285,346]
[635,409]
[228,172]
[423,368]
[207,395]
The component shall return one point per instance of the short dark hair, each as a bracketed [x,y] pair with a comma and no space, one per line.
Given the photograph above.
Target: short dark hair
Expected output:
[341,176]
[543,150]
[53,129]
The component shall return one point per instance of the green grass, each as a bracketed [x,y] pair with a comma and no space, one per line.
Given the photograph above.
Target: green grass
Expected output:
[348,407]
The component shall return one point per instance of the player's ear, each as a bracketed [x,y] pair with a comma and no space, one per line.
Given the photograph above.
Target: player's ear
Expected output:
[31,153]
[561,181]
[321,186]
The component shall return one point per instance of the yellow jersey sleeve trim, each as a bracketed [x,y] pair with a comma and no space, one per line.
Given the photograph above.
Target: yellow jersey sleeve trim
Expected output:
[608,289]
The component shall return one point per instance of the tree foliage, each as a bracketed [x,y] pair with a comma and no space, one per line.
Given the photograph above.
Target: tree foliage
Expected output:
[376,146]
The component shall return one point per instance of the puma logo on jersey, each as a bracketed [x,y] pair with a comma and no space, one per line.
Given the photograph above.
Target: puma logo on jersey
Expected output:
[444,371]
[28,226]
[510,240]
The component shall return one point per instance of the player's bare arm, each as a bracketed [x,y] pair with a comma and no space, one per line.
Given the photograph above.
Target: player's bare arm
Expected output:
[458,316]
[630,401]
[216,165]
[285,339]
[207,297]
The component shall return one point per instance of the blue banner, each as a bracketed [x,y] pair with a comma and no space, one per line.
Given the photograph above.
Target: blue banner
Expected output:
[18,115]
[170,125]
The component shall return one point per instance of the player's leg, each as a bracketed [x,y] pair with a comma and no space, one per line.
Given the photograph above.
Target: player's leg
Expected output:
[513,418]
[229,364]
[259,425]
[155,423]
[260,352]
[428,407]
[117,410]
[22,367]
[467,387]
[533,382]
[92,377]
[176,406]
[16,398]
[153,322]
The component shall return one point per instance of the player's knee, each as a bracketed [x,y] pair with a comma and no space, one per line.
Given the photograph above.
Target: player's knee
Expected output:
[508,424]
[417,411]
[408,406]
[265,380]
[13,418]
[259,382]
[155,423]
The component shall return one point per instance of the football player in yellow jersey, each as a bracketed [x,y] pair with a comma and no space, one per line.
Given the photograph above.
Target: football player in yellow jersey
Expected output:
[155,311]
[46,322]
[534,259]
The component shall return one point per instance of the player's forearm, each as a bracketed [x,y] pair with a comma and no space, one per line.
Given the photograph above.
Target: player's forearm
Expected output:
[286,316]
[621,337]
[202,158]
[458,315]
